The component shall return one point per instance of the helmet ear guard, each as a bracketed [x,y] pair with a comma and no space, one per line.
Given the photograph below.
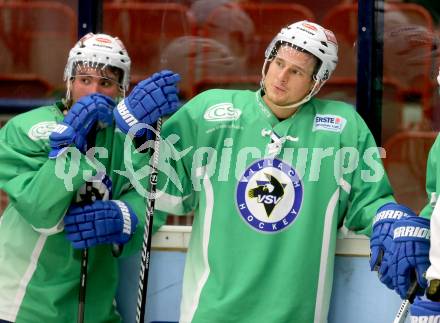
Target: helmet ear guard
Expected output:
[99,51]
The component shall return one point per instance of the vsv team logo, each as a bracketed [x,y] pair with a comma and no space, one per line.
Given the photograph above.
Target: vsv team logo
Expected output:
[269,195]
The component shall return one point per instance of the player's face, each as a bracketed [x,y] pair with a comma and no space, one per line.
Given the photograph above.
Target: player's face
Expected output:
[289,77]
[91,80]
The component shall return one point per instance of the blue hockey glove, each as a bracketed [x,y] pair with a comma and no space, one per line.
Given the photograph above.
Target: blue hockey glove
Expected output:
[425,311]
[410,259]
[84,114]
[102,222]
[381,240]
[150,99]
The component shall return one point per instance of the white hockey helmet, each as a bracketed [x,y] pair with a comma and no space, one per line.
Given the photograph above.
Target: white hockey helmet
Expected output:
[97,49]
[312,38]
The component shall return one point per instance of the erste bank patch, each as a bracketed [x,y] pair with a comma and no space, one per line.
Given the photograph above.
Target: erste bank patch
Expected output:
[329,122]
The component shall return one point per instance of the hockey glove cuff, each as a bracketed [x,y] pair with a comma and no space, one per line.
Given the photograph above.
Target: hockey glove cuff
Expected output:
[150,99]
[102,222]
[410,259]
[425,311]
[381,241]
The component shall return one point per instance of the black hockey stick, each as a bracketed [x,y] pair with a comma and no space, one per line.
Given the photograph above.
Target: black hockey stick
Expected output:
[84,264]
[89,197]
[404,307]
[83,285]
[148,229]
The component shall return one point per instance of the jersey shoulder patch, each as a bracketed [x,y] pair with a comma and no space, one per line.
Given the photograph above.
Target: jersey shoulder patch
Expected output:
[41,130]
[329,122]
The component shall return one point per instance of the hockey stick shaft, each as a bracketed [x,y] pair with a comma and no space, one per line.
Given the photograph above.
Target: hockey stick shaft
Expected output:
[402,313]
[91,138]
[83,285]
[148,229]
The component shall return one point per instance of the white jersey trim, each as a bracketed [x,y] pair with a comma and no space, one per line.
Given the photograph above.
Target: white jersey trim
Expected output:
[345,185]
[188,313]
[27,277]
[54,230]
[322,299]
[433,271]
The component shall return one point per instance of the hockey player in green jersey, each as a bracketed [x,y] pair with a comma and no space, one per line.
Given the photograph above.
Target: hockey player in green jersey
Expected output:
[411,262]
[271,176]
[432,209]
[428,310]
[47,168]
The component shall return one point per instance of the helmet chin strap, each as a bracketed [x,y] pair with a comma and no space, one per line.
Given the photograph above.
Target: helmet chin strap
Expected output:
[315,89]
[68,99]
[312,92]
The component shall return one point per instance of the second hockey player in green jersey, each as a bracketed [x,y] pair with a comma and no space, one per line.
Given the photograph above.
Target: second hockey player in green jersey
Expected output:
[63,196]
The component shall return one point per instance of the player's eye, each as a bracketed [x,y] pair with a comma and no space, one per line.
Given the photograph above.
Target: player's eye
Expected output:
[279,63]
[84,80]
[295,71]
[106,83]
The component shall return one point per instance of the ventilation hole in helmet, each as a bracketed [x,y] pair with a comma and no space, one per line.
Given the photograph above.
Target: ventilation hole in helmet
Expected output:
[121,52]
[322,51]
[304,42]
[324,43]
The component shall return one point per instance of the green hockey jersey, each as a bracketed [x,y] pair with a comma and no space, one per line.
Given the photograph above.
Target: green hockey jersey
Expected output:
[432,208]
[39,269]
[268,198]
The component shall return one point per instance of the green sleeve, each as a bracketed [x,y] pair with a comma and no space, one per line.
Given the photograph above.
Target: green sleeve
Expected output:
[370,187]
[175,164]
[30,179]
[432,173]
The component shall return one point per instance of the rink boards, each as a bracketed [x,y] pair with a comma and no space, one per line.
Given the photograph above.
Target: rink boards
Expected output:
[358,296]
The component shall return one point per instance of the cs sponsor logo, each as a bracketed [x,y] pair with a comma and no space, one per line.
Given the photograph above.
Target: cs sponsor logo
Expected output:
[222,112]
[42,130]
